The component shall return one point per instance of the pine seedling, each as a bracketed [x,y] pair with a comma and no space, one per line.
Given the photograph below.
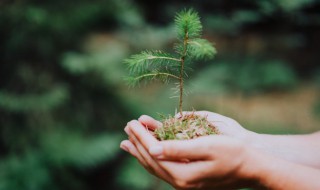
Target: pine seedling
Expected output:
[159,65]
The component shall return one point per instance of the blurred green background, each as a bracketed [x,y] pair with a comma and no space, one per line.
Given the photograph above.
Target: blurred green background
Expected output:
[64,103]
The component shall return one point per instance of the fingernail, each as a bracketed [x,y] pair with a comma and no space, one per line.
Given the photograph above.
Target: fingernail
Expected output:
[126,129]
[123,147]
[146,118]
[143,117]
[135,123]
[156,150]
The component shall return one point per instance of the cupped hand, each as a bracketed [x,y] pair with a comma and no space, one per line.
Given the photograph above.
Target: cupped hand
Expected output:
[203,163]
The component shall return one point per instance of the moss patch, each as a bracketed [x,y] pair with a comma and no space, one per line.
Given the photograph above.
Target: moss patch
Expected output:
[184,128]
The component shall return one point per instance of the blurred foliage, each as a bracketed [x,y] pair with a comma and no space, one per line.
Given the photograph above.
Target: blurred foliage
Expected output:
[131,174]
[55,124]
[98,64]
[249,76]
[63,102]
[63,147]
[34,102]
[317,80]
[26,172]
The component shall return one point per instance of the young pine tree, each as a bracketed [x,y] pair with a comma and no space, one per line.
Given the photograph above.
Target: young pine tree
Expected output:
[159,65]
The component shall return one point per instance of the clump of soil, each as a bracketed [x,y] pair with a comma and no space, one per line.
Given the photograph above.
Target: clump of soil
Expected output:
[184,128]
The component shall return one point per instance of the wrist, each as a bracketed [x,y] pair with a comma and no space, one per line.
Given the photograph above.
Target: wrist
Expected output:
[251,167]
[264,170]
[255,140]
[268,172]
[250,138]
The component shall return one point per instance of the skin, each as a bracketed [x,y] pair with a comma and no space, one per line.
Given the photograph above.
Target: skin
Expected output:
[294,148]
[235,159]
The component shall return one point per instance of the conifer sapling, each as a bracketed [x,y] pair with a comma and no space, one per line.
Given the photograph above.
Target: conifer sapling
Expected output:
[158,65]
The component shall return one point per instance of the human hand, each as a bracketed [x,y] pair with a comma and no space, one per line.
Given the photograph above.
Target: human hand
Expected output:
[222,162]
[212,161]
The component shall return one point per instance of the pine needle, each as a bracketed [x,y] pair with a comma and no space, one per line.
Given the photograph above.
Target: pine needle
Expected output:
[201,49]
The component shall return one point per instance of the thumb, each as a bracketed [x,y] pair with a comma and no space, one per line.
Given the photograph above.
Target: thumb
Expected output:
[194,149]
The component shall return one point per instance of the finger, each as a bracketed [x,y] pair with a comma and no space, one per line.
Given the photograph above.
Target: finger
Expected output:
[142,135]
[193,171]
[143,159]
[142,139]
[143,152]
[149,122]
[152,166]
[194,149]
[129,147]
[127,130]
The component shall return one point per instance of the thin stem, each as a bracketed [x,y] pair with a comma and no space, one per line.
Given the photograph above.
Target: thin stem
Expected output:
[181,87]
[185,44]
